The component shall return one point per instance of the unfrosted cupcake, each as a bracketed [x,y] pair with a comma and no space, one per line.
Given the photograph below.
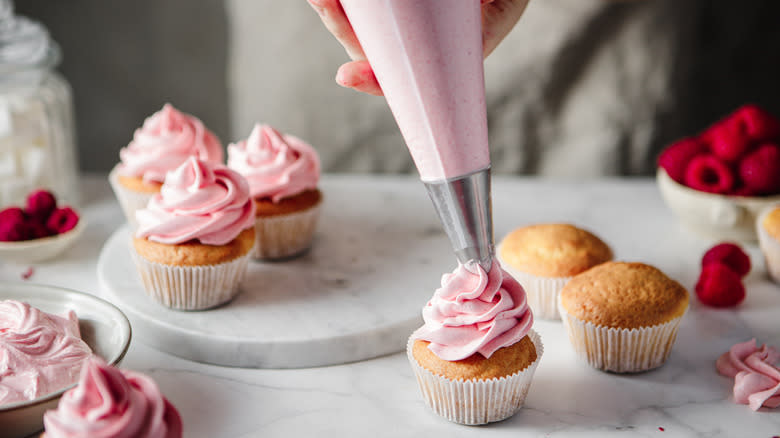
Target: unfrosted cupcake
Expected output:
[768,230]
[283,172]
[108,402]
[166,140]
[475,357]
[544,257]
[623,317]
[195,237]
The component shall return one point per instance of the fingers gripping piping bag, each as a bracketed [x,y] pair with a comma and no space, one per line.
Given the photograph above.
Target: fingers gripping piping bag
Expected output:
[427,57]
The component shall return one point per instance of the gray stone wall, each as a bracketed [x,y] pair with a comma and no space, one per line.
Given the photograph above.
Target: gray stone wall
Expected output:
[580,88]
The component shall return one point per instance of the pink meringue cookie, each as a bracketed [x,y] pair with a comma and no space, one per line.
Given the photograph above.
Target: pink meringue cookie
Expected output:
[756,377]
[475,312]
[199,200]
[40,353]
[109,403]
[277,166]
[166,139]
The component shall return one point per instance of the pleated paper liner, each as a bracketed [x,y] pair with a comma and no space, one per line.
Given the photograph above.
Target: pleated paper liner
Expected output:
[285,235]
[191,287]
[621,350]
[473,402]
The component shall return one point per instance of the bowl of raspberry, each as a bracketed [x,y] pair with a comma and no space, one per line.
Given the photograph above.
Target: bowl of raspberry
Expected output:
[38,231]
[718,182]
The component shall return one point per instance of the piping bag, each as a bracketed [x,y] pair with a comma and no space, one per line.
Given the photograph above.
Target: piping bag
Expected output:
[427,57]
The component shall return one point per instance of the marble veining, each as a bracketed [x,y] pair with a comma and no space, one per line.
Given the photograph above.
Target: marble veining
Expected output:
[379,398]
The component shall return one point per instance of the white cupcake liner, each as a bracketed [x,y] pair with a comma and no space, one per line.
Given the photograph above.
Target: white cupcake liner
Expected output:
[542,292]
[621,350]
[770,247]
[286,235]
[473,402]
[191,287]
[129,200]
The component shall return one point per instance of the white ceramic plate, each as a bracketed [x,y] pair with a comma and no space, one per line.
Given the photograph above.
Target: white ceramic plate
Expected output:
[103,327]
[31,251]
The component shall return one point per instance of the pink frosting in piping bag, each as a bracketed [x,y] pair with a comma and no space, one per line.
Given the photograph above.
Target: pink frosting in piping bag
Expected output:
[277,166]
[40,353]
[166,139]
[109,403]
[199,200]
[475,312]
[756,378]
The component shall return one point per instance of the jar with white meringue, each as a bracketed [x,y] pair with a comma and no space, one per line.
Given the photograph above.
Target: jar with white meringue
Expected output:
[37,128]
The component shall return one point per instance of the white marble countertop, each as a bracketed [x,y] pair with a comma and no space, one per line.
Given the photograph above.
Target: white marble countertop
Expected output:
[379,397]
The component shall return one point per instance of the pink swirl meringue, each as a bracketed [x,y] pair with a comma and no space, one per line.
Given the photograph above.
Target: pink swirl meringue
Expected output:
[199,200]
[756,378]
[109,403]
[475,312]
[166,139]
[277,166]
[40,353]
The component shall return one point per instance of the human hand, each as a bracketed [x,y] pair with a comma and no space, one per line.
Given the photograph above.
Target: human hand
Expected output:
[498,18]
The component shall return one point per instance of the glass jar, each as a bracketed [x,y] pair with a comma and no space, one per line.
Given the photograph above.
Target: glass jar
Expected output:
[37,130]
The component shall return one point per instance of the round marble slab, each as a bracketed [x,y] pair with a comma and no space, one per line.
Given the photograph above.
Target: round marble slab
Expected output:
[378,255]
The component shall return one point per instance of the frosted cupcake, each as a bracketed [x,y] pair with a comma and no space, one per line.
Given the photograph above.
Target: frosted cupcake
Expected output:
[623,317]
[283,172]
[166,140]
[108,402]
[195,237]
[475,357]
[544,257]
[768,230]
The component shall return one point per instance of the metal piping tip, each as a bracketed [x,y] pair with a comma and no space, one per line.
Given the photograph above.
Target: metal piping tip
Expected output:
[464,206]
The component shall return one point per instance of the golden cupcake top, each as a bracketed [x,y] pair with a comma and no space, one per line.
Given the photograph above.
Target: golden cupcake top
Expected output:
[771,223]
[553,250]
[624,295]
[194,253]
[504,362]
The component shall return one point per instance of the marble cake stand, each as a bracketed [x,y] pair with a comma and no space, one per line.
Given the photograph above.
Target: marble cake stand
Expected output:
[357,294]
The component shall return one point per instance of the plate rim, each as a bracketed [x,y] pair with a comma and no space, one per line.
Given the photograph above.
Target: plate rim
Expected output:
[84,295]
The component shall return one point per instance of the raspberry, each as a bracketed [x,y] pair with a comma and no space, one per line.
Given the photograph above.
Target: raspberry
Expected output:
[12,214]
[675,158]
[62,220]
[37,230]
[760,169]
[756,123]
[729,142]
[13,231]
[708,174]
[719,286]
[40,204]
[730,255]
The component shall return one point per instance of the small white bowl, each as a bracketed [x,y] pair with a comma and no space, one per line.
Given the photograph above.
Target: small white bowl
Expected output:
[713,216]
[103,327]
[37,250]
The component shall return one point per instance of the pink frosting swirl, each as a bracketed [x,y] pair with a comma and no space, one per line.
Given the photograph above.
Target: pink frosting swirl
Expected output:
[475,312]
[167,139]
[277,166]
[199,200]
[40,353]
[756,378]
[109,403]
